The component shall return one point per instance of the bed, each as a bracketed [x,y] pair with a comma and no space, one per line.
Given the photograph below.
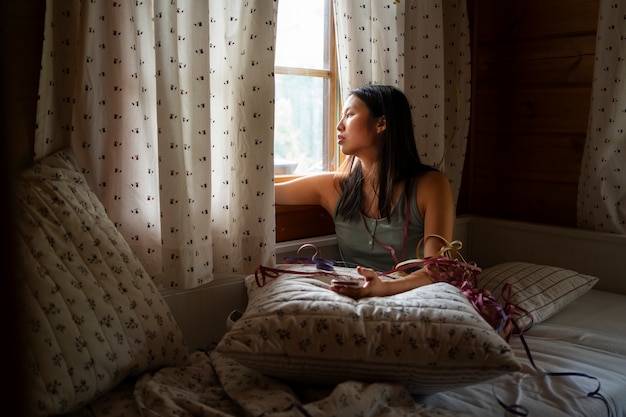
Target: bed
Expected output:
[101,341]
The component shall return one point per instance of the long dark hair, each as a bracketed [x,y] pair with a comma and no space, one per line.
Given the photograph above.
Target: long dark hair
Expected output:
[398,157]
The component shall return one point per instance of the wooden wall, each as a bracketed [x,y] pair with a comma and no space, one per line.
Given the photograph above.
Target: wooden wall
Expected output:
[532,72]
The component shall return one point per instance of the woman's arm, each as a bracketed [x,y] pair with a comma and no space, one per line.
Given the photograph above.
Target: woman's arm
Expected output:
[311,189]
[434,200]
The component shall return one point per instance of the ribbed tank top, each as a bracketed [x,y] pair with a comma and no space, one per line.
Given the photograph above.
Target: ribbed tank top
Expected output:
[358,246]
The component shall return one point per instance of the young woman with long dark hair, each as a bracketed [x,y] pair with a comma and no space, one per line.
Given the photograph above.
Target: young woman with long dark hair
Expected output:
[383,199]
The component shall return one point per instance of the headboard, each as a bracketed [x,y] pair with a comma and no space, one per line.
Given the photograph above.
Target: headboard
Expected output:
[494,241]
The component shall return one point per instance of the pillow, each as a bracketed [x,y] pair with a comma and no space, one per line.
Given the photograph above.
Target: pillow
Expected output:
[429,339]
[91,315]
[541,290]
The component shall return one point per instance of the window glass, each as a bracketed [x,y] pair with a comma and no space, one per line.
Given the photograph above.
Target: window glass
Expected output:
[305,80]
[300,34]
[298,129]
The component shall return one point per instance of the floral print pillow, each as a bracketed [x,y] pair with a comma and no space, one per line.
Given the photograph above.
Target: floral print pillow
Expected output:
[429,339]
[90,314]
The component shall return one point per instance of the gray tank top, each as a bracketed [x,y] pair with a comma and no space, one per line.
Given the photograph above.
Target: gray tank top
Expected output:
[368,242]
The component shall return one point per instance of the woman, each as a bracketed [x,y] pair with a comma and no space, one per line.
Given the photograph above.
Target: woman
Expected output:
[383,199]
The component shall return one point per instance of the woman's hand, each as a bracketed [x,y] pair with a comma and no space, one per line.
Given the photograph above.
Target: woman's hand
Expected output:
[373,286]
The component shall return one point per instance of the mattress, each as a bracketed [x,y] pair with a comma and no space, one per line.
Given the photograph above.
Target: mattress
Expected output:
[587,337]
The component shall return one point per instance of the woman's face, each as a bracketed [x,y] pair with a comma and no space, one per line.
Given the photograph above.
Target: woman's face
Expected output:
[357,131]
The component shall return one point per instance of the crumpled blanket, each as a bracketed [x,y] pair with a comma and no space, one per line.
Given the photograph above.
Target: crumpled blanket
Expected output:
[213,385]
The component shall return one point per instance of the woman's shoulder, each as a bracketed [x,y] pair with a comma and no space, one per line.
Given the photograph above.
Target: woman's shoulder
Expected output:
[327,186]
[434,175]
[325,179]
[431,184]
[432,178]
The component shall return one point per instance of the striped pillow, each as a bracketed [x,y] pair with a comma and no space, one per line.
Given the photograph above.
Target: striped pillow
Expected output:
[542,290]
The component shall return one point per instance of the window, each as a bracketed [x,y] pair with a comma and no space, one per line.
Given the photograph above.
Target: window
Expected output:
[306,108]
[306,88]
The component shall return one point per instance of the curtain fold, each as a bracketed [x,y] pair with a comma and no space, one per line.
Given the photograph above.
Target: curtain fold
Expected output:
[242,86]
[423,48]
[183,116]
[168,109]
[602,182]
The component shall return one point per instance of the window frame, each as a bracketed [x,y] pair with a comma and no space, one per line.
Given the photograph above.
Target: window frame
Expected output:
[306,221]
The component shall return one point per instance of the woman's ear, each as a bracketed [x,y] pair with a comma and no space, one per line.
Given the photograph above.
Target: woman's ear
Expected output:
[381,125]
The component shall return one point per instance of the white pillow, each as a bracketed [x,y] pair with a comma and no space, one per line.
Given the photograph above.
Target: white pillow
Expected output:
[542,290]
[90,313]
[428,339]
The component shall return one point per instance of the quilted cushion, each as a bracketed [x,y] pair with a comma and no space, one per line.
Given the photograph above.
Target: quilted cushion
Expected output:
[429,339]
[91,314]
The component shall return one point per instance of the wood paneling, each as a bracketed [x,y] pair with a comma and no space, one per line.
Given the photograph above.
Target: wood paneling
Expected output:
[499,20]
[548,158]
[524,199]
[553,110]
[536,62]
[532,79]
[301,222]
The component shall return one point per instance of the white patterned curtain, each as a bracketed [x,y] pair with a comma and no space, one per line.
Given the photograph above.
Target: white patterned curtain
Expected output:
[602,183]
[168,108]
[423,48]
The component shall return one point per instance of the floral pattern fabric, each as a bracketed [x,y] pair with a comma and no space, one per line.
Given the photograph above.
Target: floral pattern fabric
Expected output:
[90,314]
[428,339]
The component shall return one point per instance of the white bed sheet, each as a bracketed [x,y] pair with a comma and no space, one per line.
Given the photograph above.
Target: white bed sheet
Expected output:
[591,337]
